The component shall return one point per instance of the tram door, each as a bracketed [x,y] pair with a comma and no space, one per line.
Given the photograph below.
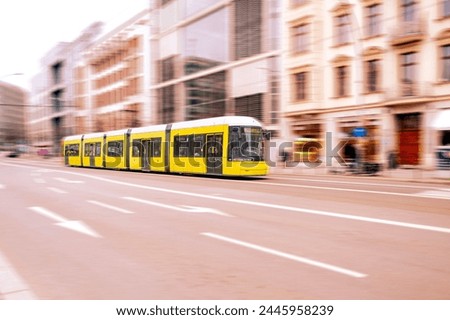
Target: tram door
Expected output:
[146,153]
[91,155]
[214,149]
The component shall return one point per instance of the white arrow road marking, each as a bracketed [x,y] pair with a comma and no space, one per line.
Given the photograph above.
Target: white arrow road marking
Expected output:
[108,206]
[188,209]
[2,186]
[68,181]
[78,226]
[436,194]
[287,255]
[192,209]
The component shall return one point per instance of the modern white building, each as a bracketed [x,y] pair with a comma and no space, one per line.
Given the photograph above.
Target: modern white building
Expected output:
[113,79]
[52,92]
[214,58]
[13,101]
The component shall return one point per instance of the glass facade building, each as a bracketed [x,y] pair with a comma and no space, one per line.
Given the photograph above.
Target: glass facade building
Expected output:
[214,58]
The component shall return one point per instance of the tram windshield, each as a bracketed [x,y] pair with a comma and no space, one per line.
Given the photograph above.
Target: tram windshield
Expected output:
[245,144]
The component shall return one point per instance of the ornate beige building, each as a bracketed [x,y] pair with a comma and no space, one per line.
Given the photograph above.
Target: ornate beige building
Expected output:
[374,72]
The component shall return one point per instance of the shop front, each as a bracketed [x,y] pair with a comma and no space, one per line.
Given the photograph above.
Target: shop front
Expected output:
[442,126]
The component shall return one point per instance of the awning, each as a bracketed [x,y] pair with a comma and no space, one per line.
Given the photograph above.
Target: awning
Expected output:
[442,120]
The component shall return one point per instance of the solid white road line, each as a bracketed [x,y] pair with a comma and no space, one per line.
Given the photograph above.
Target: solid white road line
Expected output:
[183,208]
[388,193]
[2,186]
[39,180]
[437,194]
[287,256]
[108,206]
[267,205]
[68,181]
[372,184]
[12,286]
[56,190]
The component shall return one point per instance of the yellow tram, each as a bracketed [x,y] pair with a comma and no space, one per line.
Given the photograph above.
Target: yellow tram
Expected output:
[230,146]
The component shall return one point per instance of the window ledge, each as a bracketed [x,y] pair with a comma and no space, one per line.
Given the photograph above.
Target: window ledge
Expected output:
[370,37]
[341,97]
[300,53]
[442,82]
[443,18]
[341,45]
[373,92]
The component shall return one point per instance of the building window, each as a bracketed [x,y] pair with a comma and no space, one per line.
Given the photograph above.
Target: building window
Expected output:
[342,29]
[296,3]
[408,10]
[300,38]
[373,74]
[167,104]
[446,8]
[206,96]
[192,7]
[164,2]
[251,106]
[300,86]
[342,81]
[408,66]
[57,72]
[205,42]
[168,69]
[248,28]
[373,20]
[446,62]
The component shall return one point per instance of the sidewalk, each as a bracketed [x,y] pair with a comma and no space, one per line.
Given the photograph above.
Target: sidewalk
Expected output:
[400,174]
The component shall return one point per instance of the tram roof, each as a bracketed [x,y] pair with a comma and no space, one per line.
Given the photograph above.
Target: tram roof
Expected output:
[74,137]
[154,128]
[226,120]
[93,135]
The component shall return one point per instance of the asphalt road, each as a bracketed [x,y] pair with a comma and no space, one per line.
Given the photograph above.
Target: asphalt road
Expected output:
[72,233]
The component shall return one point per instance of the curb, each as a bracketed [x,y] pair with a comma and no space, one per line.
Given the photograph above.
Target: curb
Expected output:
[12,285]
[403,175]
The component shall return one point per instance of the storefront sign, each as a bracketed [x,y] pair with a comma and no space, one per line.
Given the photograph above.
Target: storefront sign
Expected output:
[359,132]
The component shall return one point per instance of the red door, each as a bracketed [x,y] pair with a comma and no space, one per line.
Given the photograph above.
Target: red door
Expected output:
[409,147]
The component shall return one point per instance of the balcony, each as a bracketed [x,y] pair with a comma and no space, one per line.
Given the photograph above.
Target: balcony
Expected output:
[409,90]
[406,32]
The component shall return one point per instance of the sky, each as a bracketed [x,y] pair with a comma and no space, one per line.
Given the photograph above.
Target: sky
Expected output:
[31,28]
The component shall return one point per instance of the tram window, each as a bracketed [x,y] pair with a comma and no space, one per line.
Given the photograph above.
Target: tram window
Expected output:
[181,146]
[156,147]
[245,143]
[196,147]
[115,148]
[72,150]
[98,149]
[233,146]
[214,146]
[137,148]
[89,150]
